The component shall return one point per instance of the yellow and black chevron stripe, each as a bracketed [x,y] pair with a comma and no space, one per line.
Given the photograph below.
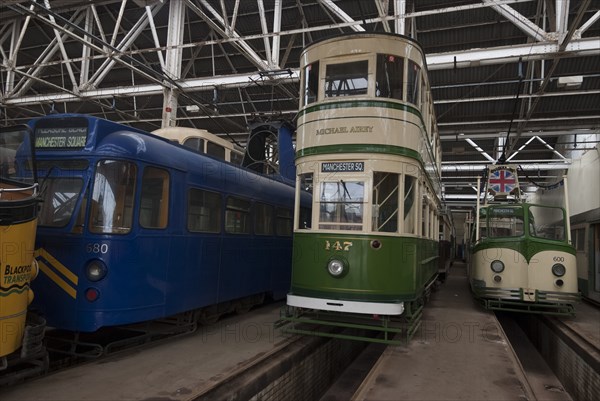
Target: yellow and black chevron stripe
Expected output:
[57,272]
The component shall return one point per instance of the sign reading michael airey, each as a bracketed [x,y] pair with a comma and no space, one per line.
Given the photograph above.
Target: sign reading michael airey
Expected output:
[345,167]
[61,137]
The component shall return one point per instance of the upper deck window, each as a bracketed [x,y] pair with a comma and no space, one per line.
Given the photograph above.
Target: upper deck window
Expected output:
[390,72]
[311,82]
[346,79]
[413,83]
[215,150]
[196,144]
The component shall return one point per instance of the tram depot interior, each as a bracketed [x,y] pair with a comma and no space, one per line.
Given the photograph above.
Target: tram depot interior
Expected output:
[239,64]
[512,79]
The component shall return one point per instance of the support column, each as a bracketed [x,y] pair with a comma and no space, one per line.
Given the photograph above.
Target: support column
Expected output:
[173,61]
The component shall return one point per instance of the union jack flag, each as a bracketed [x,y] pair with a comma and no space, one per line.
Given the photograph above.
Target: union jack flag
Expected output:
[502,181]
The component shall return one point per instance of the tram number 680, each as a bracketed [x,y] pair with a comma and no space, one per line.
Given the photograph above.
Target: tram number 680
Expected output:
[96,248]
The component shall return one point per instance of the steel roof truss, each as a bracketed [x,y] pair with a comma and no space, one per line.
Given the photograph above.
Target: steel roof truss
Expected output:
[519,20]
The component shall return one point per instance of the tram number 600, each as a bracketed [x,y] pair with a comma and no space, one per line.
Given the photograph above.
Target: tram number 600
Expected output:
[558,259]
[96,248]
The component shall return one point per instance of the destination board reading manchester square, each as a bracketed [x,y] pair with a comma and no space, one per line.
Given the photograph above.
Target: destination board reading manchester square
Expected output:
[61,137]
[330,167]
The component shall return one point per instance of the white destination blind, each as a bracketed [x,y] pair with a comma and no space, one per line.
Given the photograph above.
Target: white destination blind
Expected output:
[330,167]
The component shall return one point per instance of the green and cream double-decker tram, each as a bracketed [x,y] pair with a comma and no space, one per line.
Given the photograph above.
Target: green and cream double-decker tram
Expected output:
[369,151]
[521,257]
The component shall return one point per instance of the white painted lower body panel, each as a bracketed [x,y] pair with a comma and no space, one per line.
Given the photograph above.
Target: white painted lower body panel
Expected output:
[368,308]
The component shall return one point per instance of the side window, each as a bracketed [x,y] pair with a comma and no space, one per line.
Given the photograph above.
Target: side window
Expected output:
[581,239]
[154,202]
[305,185]
[204,211]
[263,219]
[311,83]
[197,144]
[385,202]
[237,216]
[112,197]
[283,224]
[215,150]
[390,70]
[410,209]
[413,83]
[236,157]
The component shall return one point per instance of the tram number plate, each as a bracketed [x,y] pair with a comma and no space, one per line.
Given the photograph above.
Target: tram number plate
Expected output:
[331,167]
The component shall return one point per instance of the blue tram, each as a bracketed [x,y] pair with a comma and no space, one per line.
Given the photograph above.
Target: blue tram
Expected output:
[134,227]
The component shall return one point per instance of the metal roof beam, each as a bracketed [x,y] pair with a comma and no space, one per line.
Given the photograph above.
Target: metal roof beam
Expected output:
[38,66]
[222,30]
[341,14]
[125,44]
[491,134]
[195,84]
[511,54]
[477,166]
[400,10]
[584,27]
[519,20]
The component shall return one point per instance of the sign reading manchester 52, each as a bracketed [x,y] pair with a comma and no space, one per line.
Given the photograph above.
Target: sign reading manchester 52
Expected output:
[63,137]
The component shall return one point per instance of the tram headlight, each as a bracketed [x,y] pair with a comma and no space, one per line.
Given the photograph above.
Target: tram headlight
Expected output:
[96,270]
[558,269]
[336,267]
[497,266]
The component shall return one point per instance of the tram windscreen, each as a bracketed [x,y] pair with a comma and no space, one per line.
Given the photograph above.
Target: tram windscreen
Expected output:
[16,156]
[505,222]
[60,195]
[547,222]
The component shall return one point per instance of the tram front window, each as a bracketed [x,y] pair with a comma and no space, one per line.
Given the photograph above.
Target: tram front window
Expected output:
[505,222]
[347,79]
[547,222]
[112,197]
[341,205]
[59,198]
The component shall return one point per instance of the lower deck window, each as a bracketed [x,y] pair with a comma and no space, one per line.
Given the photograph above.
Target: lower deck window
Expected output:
[341,205]
[385,202]
[237,216]
[204,211]
[154,202]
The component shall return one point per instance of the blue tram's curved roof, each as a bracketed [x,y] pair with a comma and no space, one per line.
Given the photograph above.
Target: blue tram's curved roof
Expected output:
[111,139]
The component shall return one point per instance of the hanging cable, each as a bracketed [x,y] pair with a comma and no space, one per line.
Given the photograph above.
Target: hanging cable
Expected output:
[502,158]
